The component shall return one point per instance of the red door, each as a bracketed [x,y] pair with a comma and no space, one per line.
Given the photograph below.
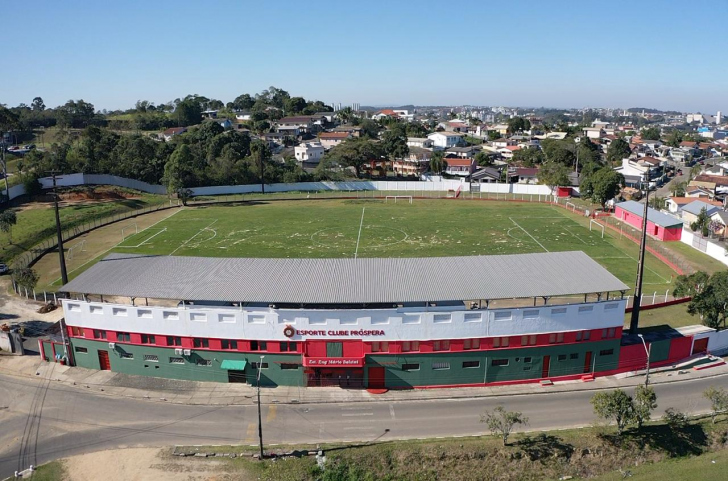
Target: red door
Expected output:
[700,345]
[104,363]
[545,370]
[376,378]
[587,362]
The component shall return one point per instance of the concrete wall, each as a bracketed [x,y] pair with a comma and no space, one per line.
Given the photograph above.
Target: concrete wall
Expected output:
[715,251]
[718,342]
[397,324]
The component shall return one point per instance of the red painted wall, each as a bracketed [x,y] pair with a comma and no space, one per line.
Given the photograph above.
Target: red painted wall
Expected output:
[662,233]
[680,348]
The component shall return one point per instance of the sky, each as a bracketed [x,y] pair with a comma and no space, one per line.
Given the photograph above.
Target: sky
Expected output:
[640,53]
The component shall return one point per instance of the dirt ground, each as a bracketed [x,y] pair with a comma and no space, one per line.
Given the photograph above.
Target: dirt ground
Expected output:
[142,464]
[14,309]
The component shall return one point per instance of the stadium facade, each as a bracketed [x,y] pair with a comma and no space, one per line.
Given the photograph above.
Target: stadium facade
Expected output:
[373,323]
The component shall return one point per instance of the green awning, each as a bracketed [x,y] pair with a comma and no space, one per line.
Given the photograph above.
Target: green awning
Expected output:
[234,365]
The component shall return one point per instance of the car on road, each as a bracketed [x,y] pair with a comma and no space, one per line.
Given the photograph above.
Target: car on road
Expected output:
[4,268]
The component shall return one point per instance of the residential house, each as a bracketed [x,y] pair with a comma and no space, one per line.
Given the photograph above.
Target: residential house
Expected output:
[421,142]
[329,117]
[444,140]
[332,139]
[304,123]
[416,163]
[486,175]
[500,128]
[309,152]
[462,152]
[634,172]
[527,175]
[690,212]
[507,152]
[719,222]
[552,135]
[698,193]
[502,142]
[169,133]
[675,204]
[209,114]
[659,225]
[290,131]
[594,132]
[242,116]
[460,167]
[455,125]
[718,184]
[351,129]
[385,113]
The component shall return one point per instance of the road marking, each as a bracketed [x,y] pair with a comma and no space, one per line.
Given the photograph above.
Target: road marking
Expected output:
[391,411]
[529,235]
[272,410]
[250,433]
[357,427]
[357,414]
[355,408]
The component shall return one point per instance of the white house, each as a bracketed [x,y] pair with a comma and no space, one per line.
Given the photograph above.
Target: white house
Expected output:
[332,139]
[444,140]
[421,142]
[594,132]
[169,133]
[242,116]
[310,152]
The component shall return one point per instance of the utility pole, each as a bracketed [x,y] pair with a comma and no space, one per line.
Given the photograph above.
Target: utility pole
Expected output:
[4,166]
[634,320]
[647,351]
[59,233]
[260,418]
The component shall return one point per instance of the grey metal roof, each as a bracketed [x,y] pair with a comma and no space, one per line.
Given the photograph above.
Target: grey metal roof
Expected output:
[697,205]
[654,216]
[341,281]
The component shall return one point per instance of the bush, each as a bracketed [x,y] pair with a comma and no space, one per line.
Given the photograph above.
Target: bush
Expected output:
[675,419]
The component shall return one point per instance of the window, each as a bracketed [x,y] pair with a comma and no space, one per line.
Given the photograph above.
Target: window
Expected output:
[471,344]
[349,322]
[258,346]
[499,362]
[151,358]
[586,336]
[470,364]
[77,331]
[411,319]
[170,316]
[530,314]
[256,365]
[200,343]
[198,316]
[127,355]
[123,337]
[556,338]
[558,311]
[144,313]
[176,360]
[409,346]
[228,344]
[117,311]
[440,366]
[528,340]
[561,357]
[96,310]
[410,367]
[380,346]
[385,320]
[526,368]
[289,347]
[98,334]
[229,318]
[441,318]
[203,362]
[441,346]
[501,341]
[285,366]
[80,349]
[256,319]
[574,355]
[609,333]
[174,341]
[148,339]
[585,309]
[472,317]
[502,315]
[527,360]
[609,307]
[606,352]
[320,322]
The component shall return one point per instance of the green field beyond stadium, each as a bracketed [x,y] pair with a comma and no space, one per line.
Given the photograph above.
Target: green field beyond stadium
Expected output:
[373,228]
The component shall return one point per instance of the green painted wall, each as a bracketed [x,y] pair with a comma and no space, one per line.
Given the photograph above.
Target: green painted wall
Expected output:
[190,371]
[660,350]
[517,368]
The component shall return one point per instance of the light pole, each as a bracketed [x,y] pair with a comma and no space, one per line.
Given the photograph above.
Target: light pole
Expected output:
[260,418]
[59,233]
[634,320]
[647,351]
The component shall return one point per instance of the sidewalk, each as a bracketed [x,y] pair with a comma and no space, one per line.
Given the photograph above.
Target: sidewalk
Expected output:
[210,393]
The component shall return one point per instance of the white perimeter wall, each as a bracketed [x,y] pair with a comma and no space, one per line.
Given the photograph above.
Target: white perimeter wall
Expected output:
[715,251]
[413,187]
[398,324]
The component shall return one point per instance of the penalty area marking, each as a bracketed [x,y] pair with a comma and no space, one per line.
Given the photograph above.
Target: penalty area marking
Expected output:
[198,233]
[529,235]
[144,241]
[358,237]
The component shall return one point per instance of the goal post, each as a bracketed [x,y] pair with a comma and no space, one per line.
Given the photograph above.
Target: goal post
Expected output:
[125,230]
[395,197]
[80,246]
[573,206]
[592,222]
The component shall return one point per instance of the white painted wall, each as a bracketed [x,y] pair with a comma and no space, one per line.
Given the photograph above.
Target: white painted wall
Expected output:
[718,342]
[715,251]
[398,324]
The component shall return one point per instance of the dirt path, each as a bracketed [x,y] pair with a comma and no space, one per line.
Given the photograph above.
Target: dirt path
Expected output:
[14,309]
[143,464]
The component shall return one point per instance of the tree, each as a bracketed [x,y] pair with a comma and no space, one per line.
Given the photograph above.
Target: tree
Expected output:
[437,162]
[650,133]
[619,149]
[674,138]
[188,112]
[718,398]
[674,419]
[553,174]
[26,278]
[355,153]
[7,220]
[501,422]
[645,401]
[560,151]
[702,223]
[243,102]
[178,169]
[690,285]
[37,105]
[394,142]
[294,105]
[528,157]
[677,189]
[485,160]
[614,405]
[518,124]
[712,302]
[604,185]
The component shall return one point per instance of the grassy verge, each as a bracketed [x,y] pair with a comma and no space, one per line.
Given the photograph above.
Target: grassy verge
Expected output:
[674,316]
[53,471]
[579,453]
[35,221]
[707,467]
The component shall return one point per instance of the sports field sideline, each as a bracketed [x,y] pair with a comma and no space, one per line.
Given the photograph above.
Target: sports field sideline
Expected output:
[373,228]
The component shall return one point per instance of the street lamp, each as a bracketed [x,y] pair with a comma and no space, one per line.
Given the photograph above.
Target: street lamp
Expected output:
[647,351]
[260,419]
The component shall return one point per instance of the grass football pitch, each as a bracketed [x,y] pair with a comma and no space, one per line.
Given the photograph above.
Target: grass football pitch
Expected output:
[373,228]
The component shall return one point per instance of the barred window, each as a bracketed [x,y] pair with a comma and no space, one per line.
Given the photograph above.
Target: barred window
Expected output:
[380,346]
[204,362]
[441,345]
[127,355]
[469,364]
[176,360]
[499,362]
[410,367]
[440,366]
[151,358]
[471,344]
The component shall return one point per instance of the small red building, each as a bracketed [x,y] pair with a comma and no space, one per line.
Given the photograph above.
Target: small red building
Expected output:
[659,225]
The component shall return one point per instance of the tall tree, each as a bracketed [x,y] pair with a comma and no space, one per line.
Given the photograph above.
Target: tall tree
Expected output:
[528,157]
[38,104]
[438,164]
[690,285]
[602,186]
[355,153]
[645,401]
[178,169]
[553,174]
[394,142]
[712,302]
[188,112]
[702,223]
[650,133]
[7,220]
[619,149]
[616,405]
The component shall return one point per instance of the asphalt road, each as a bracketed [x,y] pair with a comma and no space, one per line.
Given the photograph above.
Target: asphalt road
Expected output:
[65,421]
